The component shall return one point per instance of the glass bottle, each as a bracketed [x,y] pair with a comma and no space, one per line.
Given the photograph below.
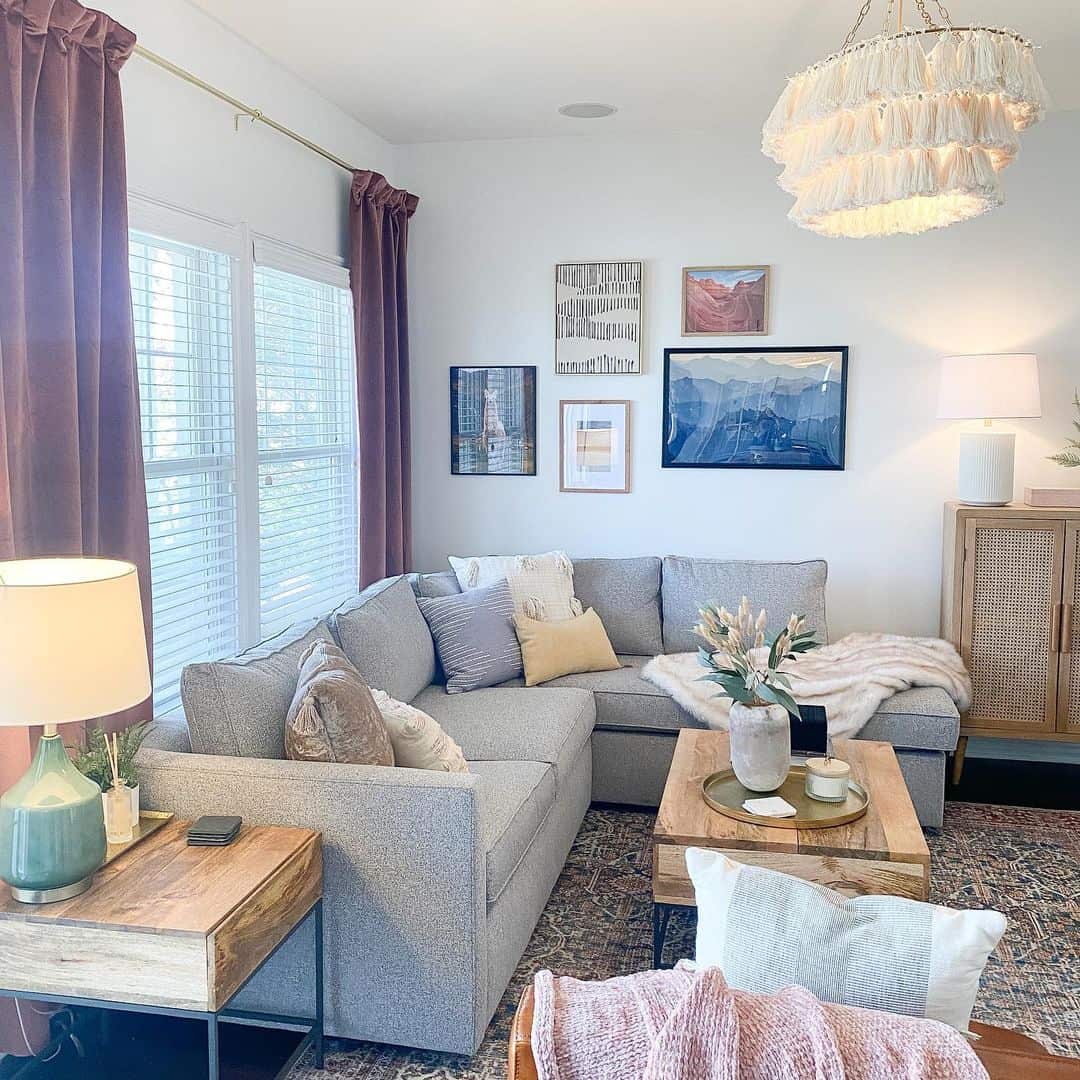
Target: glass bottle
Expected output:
[119,828]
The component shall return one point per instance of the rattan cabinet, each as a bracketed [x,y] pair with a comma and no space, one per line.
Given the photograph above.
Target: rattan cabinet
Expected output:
[1011,605]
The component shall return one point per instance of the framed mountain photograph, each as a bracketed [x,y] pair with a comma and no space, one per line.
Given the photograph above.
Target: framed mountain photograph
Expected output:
[719,300]
[771,408]
[493,421]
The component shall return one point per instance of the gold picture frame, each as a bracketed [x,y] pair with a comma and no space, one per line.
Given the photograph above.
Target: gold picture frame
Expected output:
[600,454]
[698,324]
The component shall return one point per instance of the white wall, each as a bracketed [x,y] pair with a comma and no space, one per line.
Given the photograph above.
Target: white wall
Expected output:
[183,147]
[494,217]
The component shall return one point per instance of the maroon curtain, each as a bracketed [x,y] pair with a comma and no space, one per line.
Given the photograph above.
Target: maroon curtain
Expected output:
[71,472]
[378,238]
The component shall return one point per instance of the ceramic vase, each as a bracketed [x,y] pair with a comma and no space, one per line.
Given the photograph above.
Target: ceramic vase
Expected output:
[760,745]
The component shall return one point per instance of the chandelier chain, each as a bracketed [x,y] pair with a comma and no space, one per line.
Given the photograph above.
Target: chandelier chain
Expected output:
[865,10]
[946,18]
[927,17]
[888,17]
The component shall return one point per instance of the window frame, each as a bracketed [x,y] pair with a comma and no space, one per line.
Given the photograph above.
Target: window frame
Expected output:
[245,249]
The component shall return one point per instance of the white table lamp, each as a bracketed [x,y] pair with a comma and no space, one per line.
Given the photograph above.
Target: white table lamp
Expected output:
[988,387]
[72,647]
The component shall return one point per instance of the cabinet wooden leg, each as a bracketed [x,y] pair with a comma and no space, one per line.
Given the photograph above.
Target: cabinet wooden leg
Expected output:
[958,759]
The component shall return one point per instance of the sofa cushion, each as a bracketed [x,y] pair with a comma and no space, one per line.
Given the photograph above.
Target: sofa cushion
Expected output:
[385,637]
[923,718]
[514,798]
[781,588]
[237,706]
[444,583]
[625,593]
[506,723]
[625,701]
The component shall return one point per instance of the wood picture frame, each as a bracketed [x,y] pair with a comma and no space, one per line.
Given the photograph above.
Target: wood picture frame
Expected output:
[608,457]
[720,306]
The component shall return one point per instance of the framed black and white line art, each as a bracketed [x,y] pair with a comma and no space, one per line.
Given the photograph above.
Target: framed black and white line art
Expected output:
[598,318]
[493,421]
[768,408]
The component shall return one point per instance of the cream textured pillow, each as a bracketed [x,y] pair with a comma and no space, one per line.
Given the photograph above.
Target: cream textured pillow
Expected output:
[567,647]
[542,586]
[419,741]
[768,930]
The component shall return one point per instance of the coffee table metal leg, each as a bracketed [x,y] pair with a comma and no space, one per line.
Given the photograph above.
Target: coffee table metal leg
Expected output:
[661,913]
[212,1050]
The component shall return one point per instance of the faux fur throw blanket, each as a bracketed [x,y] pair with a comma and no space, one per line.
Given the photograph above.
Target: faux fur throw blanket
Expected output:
[688,1025]
[851,678]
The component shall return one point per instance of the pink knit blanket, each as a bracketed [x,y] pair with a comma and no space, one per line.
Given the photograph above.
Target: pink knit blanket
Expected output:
[689,1025]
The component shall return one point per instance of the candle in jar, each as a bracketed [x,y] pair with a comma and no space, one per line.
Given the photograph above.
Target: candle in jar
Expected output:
[827,779]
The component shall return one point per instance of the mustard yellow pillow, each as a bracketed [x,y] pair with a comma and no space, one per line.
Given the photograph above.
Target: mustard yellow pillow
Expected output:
[566,647]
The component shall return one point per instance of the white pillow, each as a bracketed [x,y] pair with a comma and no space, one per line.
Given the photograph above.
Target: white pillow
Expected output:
[418,740]
[542,586]
[766,930]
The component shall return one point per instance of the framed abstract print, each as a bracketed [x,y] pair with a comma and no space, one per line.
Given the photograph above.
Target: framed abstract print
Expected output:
[594,446]
[598,318]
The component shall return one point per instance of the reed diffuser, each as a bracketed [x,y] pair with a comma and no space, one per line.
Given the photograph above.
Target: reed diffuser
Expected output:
[119,827]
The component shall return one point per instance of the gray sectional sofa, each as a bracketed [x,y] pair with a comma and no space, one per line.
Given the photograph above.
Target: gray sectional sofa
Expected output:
[434,881]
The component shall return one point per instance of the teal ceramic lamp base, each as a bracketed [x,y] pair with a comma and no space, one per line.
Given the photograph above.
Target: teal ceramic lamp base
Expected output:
[52,828]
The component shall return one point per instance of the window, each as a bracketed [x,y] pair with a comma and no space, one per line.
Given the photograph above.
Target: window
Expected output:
[247,380]
[183,336]
[305,385]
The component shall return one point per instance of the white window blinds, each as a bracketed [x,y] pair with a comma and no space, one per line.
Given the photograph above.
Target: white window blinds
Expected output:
[183,337]
[305,387]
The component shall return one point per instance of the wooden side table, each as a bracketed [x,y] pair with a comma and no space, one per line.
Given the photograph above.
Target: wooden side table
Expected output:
[174,930]
[884,852]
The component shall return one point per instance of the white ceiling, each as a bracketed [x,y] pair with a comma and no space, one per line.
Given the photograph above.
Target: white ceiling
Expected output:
[434,70]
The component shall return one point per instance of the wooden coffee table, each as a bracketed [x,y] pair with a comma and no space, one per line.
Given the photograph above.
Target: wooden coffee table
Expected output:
[884,852]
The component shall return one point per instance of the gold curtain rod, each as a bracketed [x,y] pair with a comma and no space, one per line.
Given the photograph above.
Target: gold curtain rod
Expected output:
[247,110]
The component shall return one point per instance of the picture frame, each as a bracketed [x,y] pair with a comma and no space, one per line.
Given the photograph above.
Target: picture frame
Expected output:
[726,301]
[594,446]
[598,317]
[493,420]
[774,407]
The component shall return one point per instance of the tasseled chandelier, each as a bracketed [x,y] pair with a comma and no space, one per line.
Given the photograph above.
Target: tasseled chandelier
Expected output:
[884,137]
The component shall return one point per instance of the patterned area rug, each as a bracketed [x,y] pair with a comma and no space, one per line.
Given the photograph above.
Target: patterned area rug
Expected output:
[1026,863]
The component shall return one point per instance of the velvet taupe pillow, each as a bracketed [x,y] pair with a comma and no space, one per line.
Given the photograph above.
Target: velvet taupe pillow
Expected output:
[333,716]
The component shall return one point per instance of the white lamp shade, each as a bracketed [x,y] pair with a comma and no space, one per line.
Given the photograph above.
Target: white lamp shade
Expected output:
[989,387]
[72,643]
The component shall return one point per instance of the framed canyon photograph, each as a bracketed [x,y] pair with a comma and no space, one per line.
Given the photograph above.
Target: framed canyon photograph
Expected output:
[719,300]
[493,421]
[594,446]
[598,318]
[769,408]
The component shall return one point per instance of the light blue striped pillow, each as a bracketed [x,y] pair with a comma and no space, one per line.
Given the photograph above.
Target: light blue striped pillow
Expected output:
[474,636]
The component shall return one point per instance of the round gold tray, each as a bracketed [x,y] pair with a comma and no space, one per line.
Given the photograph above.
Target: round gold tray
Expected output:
[723,792]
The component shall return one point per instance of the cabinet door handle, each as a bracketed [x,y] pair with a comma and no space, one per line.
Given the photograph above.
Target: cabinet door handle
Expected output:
[1055,628]
[1066,628]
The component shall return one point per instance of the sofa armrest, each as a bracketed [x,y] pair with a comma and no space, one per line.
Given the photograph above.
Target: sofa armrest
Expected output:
[404,876]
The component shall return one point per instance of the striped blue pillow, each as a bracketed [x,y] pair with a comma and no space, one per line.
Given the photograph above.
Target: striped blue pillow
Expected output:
[474,636]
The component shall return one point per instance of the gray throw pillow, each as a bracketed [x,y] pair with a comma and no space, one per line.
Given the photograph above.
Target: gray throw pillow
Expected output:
[474,636]
[333,716]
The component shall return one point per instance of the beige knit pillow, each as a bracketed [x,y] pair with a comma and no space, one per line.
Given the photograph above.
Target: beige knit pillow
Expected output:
[333,716]
[419,741]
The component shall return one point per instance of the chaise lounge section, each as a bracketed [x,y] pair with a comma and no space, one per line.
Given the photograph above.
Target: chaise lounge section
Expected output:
[435,881]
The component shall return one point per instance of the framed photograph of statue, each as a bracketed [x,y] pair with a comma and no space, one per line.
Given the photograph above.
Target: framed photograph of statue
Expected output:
[770,408]
[493,421]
